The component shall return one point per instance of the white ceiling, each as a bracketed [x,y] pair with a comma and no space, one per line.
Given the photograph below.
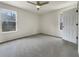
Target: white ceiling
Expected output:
[53,5]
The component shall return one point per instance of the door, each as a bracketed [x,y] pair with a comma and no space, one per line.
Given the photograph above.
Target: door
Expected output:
[70,25]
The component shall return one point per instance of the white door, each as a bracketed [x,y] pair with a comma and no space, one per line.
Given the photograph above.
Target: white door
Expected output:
[70,27]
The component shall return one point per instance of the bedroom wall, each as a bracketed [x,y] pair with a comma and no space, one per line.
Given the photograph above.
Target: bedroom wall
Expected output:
[27,24]
[78,34]
[78,28]
[49,23]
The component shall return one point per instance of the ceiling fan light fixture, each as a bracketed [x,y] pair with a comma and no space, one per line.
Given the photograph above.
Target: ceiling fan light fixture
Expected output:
[37,6]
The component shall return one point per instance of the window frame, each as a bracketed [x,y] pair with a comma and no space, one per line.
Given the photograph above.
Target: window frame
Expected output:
[15,22]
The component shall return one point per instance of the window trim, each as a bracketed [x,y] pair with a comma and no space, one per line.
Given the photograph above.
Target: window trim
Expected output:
[15,21]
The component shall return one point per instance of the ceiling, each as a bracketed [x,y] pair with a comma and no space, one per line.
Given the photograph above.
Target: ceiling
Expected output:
[53,5]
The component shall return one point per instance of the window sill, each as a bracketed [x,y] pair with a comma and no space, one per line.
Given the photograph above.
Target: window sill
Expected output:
[9,32]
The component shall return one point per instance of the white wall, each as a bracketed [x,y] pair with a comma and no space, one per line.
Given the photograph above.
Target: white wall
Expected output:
[27,24]
[78,28]
[49,23]
[78,32]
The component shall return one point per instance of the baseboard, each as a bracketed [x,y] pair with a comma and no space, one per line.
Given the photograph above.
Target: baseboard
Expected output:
[51,35]
[28,36]
[19,38]
[69,42]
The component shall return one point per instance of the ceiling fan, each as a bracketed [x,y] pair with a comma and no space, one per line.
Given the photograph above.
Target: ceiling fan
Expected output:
[38,4]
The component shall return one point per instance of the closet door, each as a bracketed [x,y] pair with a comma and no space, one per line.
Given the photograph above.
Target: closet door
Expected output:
[70,25]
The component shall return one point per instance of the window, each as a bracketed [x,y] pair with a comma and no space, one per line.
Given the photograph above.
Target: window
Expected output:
[8,20]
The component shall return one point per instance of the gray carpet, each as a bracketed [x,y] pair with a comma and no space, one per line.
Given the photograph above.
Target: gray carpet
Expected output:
[38,46]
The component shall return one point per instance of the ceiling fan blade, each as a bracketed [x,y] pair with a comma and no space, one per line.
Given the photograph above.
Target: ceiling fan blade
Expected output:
[38,2]
[31,2]
[44,3]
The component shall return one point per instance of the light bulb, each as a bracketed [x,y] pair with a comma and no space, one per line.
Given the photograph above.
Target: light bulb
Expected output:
[37,6]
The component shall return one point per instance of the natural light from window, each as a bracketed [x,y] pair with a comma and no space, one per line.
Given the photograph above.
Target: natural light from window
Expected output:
[8,20]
